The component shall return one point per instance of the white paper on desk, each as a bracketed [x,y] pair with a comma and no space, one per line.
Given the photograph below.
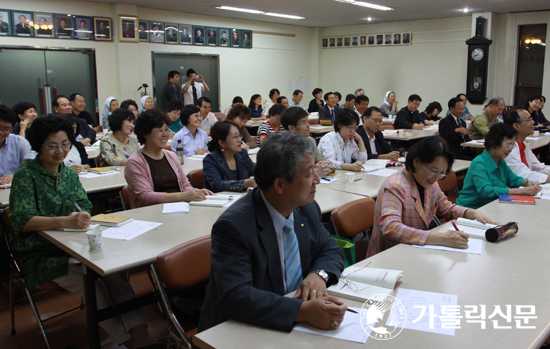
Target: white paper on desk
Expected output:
[96,175]
[474,247]
[328,179]
[350,329]
[130,230]
[532,138]
[424,311]
[317,127]
[390,132]
[253,151]
[193,158]
[175,207]
[386,172]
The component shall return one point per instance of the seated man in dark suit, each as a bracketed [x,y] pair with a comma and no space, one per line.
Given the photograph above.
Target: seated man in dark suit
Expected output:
[272,242]
[329,111]
[409,117]
[377,147]
[453,129]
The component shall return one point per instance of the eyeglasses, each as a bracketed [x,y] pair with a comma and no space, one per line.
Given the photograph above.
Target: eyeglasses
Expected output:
[239,137]
[378,121]
[6,130]
[438,174]
[351,128]
[509,146]
[55,147]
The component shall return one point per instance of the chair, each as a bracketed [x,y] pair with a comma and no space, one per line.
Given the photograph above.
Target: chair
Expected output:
[449,185]
[313,121]
[219,116]
[384,127]
[348,224]
[196,178]
[125,198]
[15,273]
[180,268]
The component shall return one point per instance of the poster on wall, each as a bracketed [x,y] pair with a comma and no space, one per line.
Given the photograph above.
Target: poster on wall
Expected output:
[198,35]
[379,39]
[235,38]
[371,40]
[339,42]
[397,38]
[171,33]
[223,34]
[127,28]
[406,38]
[102,27]
[185,34]
[64,26]
[212,39]
[156,33]
[363,40]
[143,31]
[84,28]
[347,41]
[247,38]
[387,39]
[332,42]
[22,23]
[354,41]
[43,25]
[5,22]
[324,43]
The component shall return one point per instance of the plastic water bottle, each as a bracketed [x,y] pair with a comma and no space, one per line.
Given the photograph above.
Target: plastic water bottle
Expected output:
[179,151]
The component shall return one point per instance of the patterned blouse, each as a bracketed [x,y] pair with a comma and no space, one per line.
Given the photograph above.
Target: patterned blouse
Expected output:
[333,148]
[112,153]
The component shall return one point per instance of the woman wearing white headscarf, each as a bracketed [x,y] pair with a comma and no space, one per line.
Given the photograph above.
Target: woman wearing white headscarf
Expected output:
[146,103]
[389,107]
[111,104]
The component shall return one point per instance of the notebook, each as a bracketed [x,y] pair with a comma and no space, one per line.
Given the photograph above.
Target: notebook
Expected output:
[218,200]
[100,170]
[361,284]
[374,165]
[111,220]
[473,228]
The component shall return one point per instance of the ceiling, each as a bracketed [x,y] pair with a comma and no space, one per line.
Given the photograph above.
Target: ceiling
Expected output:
[329,13]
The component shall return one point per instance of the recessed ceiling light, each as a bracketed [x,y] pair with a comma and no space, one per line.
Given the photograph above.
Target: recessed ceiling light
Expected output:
[366,4]
[466,10]
[369,19]
[257,12]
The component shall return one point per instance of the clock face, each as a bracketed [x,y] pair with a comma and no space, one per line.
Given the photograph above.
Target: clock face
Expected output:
[477,54]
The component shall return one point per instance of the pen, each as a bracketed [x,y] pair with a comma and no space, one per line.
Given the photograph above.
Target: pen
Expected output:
[77,207]
[454,225]
[348,309]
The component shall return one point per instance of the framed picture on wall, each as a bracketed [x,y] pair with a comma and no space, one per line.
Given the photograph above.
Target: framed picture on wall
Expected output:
[339,42]
[406,38]
[102,27]
[347,41]
[235,38]
[354,41]
[5,22]
[84,28]
[43,25]
[185,34]
[64,26]
[198,35]
[379,39]
[247,38]
[388,40]
[156,32]
[127,28]
[363,40]
[324,43]
[332,42]
[211,36]
[371,40]
[224,36]
[21,23]
[397,38]
[143,30]
[171,33]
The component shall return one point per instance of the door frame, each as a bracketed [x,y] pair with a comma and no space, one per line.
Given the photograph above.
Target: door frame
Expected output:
[154,53]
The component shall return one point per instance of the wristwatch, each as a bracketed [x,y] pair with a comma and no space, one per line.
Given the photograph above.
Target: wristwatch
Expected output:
[323,274]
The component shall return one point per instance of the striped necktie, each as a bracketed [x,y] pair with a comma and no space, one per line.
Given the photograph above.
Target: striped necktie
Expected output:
[293,264]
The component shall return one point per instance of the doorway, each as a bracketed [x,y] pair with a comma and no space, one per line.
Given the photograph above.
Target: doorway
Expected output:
[205,65]
[530,66]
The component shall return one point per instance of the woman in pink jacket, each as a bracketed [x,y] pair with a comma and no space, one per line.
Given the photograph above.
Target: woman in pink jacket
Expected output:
[154,175]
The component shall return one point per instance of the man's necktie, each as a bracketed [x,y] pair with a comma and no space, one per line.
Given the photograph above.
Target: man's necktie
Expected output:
[293,264]
[194,94]
[332,114]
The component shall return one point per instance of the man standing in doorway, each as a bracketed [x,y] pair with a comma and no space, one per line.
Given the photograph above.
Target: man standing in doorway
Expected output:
[192,90]
[169,92]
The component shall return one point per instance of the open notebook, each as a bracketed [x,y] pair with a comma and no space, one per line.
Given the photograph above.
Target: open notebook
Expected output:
[473,228]
[218,200]
[361,284]
[374,165]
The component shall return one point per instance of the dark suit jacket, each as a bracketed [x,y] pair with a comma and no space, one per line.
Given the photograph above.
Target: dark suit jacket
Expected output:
[324,113]
[217,175]
[22,29]
[246,280]
[447,127]
[199,39]
[169,93]
[382,146]
[406,119]
[86,131]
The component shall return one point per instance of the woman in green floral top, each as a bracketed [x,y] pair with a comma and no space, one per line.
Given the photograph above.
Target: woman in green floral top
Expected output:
[43,196]
[118,146]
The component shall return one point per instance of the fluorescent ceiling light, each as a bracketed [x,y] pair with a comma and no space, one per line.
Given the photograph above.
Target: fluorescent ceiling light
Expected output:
[256,12]
[284,16]
[366,4]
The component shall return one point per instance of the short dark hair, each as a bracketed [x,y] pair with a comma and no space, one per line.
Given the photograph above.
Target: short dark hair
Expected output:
[190,71]
[239,111]
[203,99]
[543,98]
[292,115]
[297,92]
[127,103]
[359,99]
[414,97]
[73,120]
[433,106]
[532,98]
[368,112]
[147,121]
[220,131]
[277,109]
[327,95]
[237,99]
[316,91]
[55,102]
[117,117]
[7,115]
[453,101]
[74,95]
[44,126]
[427,150]
[280,157]
[339,95]
[497,133]
[173,73]
[345,117]
[175,104]
[273,91]
[186,112]
[512,117]
[350,97]
[359,89]
[21,107]
[460,95]
[495,101]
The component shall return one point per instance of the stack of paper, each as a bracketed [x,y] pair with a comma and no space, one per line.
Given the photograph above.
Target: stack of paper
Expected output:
[374,164]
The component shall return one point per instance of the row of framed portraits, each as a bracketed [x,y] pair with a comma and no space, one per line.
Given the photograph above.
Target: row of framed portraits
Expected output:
[382,39]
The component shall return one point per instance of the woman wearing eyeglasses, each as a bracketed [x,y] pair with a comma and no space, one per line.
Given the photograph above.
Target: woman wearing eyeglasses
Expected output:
[228,166]
[408,201]
[489,176]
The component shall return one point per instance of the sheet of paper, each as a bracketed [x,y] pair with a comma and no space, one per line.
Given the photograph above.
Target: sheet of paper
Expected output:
[386,172]
[424,311]
[175,207]
[532,138]
[389,132]
[350,329]
[95,175]
[474,247]
[192,158]
[288,84]
[328,179]
[130,230]
[253,151]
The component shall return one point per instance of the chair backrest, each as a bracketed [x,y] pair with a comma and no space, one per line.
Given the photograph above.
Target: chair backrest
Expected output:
[354,217]
[125,198]
[168,147]
[219,116]
[186,265]
[449,186]
[4,242]
[313,121]
[325,122]
[386,127]
[196,178]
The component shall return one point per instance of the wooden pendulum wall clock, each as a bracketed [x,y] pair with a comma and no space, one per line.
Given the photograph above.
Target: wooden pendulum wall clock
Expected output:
[478,62]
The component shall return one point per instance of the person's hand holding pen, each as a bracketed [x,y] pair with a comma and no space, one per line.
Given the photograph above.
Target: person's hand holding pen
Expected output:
[78,220]
[325,313]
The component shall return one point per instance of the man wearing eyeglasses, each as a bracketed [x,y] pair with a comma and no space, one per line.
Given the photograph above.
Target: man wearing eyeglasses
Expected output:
[13,148]
[377,147]
[481,124]
[409,117]
[521,160]
[466,115]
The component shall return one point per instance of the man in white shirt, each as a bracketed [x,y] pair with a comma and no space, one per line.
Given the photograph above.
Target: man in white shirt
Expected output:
[521,160]
[208,118]
[192,90]
[273,95]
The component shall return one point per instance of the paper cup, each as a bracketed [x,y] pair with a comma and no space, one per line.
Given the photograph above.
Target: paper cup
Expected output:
[94,239]
[401,132]
[350,177]
[536,133]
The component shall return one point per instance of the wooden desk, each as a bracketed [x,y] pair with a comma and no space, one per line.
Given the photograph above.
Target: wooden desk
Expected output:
[191,164]
[254,123]
[534,143]
[410,135]
[318,129]
[461,165]
[508,272]
[330,200]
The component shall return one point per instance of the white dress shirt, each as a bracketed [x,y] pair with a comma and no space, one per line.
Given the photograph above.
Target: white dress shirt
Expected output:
[188,95]
[208,121]
[190,143]
[536,172]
